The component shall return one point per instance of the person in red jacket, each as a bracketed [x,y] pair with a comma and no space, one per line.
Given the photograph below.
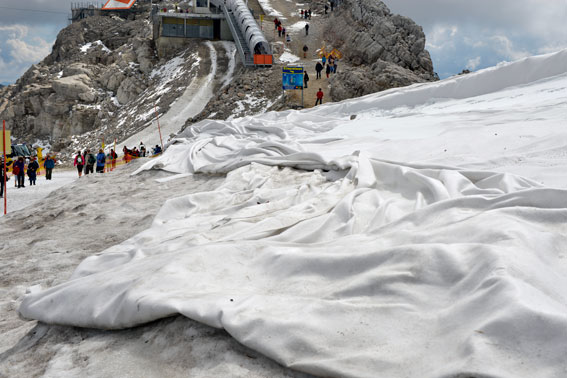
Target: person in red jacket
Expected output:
[319,97]
[79,162]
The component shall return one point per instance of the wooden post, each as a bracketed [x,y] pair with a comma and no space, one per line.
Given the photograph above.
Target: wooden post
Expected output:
[159,128]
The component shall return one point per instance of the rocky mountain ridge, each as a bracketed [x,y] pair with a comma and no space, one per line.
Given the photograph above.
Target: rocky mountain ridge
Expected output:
[385,50]
[104,81]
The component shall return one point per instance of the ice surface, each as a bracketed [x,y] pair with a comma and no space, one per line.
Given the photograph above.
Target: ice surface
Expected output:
[424,237]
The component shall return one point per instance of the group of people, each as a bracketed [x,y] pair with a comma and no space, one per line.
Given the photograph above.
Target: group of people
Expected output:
[305,13]
[86,161]
[330,63]
[25,166]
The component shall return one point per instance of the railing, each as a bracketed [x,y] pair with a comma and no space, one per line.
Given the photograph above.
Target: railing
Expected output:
[241,45]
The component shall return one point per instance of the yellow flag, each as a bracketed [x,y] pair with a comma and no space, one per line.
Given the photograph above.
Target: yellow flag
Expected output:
[7,141]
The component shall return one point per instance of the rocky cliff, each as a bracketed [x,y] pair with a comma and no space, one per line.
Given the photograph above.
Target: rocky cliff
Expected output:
[103,79]
[384,50]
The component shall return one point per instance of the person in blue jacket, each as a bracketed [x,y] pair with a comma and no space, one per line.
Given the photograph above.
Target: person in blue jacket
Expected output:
[100,161]
[48,164]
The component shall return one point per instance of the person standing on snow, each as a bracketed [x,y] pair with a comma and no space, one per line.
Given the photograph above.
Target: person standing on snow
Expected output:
[305,79]
[318,69]
[328,70]
[20,164]
[306,29]
[2,178]
[319,97]
[79,163]
[100,161]
[114,156]
[48,164]
[90,162]
[305,48]
[33,166]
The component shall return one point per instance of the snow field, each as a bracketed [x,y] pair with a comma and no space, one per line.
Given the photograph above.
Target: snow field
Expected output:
[405,243]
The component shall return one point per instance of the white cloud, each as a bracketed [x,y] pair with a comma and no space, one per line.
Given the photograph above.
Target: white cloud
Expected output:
[20,47]
[472,64]
[14,31]
[442,36]
[505,47]
[25,52]
[492,30]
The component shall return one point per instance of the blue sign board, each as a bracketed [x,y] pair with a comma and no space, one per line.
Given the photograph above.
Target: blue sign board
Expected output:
[292,78]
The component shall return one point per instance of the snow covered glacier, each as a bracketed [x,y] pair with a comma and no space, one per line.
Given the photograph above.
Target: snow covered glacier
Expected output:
[419,231]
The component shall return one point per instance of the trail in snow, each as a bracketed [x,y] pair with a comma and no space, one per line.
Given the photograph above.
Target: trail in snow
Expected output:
[189,104]
[230,48]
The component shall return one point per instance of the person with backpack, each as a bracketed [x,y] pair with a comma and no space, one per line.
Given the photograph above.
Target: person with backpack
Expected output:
[79,163]
[305,79]
[114,156]
[100,161]
[33,166]
[90,162]
[318,69]
[48,164]
[319,97]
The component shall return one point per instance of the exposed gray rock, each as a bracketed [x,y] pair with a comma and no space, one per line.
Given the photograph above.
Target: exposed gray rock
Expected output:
[128,90]
[389,49]
[76,87]
[360,81]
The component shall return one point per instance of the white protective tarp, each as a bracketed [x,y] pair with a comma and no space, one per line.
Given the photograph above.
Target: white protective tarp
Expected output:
[363,267]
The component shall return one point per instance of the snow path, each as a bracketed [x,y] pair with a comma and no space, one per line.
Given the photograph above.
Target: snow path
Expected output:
[189,104]
[230,48]
[385,254]
[30,195]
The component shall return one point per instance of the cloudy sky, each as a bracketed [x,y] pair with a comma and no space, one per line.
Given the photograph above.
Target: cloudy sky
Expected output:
[460,34]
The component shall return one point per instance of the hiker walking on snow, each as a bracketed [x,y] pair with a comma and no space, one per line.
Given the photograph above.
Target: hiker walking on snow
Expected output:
[90,162]
[79,163]
[305,48]
[306,29]
[48,164]
[319,97]
[100,161]
[305,79]
[318,69]
[279,30]
[328,70]
[33,166]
